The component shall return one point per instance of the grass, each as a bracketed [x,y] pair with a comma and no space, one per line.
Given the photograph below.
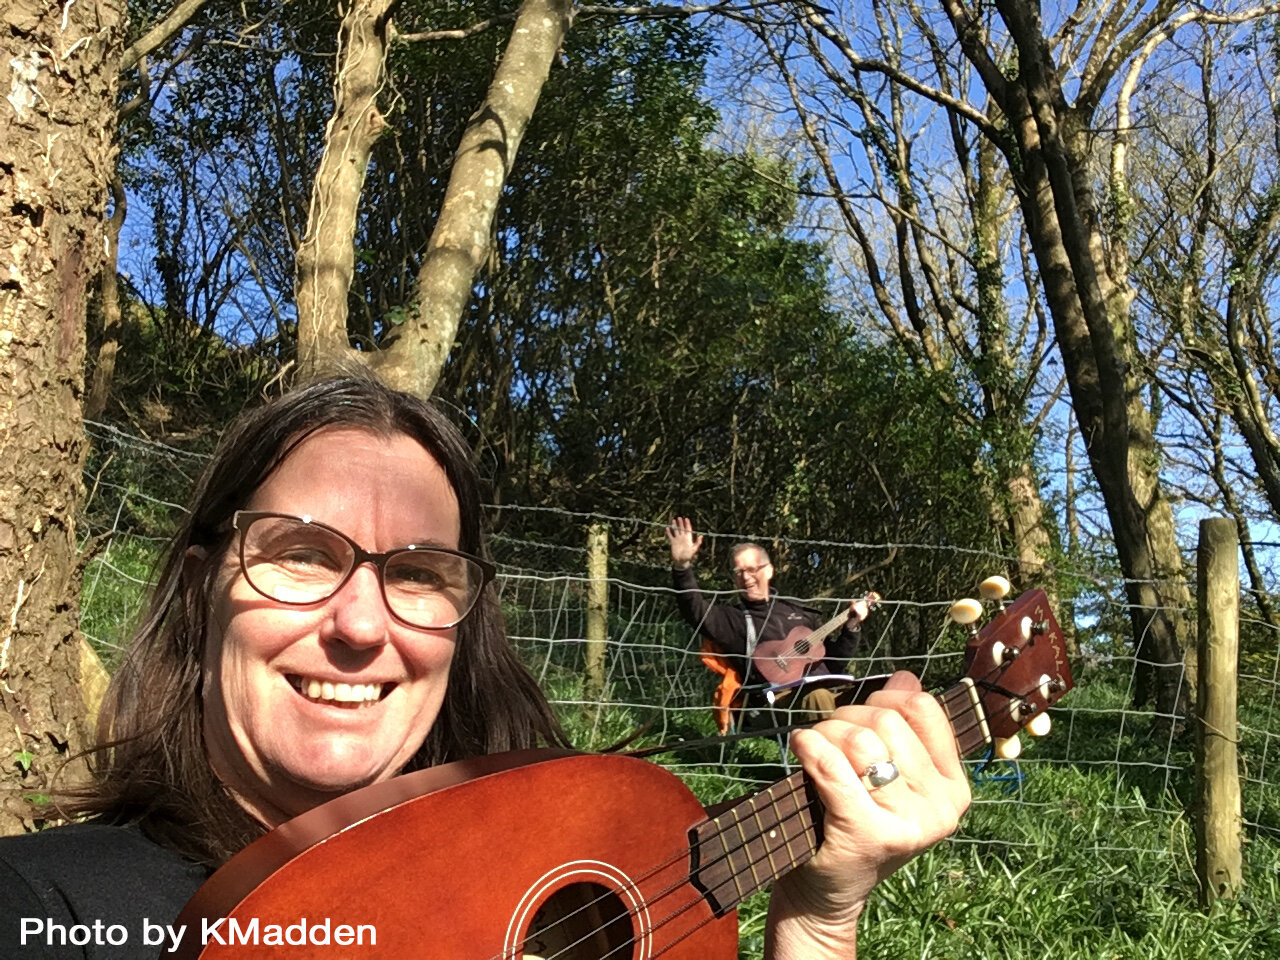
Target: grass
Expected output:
[1072,875]
[1083,848]
[1064,871]
[115,587]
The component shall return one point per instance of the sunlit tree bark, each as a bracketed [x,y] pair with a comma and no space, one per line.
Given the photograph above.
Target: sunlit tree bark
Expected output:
[57,151]
[937,275]
[461,240]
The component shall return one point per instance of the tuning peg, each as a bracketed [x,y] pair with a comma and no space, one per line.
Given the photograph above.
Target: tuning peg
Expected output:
[994,588]
[1001,654]
[1008,749]
[965,612]
[1039,726]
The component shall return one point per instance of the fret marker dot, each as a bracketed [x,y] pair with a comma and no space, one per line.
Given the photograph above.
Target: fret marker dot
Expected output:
[772,834]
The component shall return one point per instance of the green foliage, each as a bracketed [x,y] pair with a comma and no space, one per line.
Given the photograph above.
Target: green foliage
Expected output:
[651,334]
[651,337]
[115,587]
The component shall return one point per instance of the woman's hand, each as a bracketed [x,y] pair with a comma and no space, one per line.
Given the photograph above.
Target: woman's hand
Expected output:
[869,832]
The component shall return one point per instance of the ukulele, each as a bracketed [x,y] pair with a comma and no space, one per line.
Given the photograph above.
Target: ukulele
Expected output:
[543,854]
[788,659]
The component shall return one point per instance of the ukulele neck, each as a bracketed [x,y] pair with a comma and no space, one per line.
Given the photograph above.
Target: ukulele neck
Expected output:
[759,839]
[828,628]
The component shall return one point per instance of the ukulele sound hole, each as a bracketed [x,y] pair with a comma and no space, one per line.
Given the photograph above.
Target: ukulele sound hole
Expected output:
[583,921]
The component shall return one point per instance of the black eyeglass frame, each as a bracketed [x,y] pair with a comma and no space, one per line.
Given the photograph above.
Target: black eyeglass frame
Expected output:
[361,556]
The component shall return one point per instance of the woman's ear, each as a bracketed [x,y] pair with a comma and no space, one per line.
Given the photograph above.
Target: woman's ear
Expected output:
[192,561]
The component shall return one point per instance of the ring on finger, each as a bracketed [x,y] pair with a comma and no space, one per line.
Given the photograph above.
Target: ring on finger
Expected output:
[880,773]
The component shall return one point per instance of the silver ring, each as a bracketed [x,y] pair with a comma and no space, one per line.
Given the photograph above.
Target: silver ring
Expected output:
[880,773]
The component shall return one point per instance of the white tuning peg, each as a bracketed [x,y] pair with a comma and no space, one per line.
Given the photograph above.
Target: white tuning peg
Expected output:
[965,612]
[994,588]
[997,653]
[1024,627]
[1008,749]
[1039,726]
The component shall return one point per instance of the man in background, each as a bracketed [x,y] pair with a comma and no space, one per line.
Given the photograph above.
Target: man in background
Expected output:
[733,631]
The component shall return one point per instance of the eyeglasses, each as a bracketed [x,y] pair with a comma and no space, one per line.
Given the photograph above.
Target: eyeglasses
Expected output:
[299,560]
[748,571]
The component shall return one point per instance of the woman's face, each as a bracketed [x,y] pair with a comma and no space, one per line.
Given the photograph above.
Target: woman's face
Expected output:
[279,746]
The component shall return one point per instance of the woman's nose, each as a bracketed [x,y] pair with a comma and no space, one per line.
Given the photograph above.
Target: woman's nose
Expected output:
[360,617]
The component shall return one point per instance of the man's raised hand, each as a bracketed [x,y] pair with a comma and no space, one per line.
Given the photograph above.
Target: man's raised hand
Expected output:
[684,545]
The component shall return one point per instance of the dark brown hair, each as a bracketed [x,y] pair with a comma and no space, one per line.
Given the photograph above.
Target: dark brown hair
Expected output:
[151,766]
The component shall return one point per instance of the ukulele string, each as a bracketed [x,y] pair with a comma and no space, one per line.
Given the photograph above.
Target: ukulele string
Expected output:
[658,896]
[802,647]
[799,787]
[745,844]
[768,854]
[731,886]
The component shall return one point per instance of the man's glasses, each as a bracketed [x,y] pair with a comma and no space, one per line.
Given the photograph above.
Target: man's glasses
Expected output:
[299,560]
[748,571]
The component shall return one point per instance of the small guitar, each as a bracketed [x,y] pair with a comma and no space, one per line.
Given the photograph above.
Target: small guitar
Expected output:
[549,854]
[789,659]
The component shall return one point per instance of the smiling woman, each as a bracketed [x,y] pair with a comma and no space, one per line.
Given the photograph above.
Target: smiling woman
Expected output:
[279,749]
[325,621]
[214,698]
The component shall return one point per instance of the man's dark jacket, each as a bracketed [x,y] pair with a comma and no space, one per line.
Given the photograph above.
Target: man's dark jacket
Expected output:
[725,625]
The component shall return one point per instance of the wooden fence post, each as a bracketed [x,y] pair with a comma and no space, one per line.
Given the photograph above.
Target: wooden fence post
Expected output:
[597,610]
[1218,809]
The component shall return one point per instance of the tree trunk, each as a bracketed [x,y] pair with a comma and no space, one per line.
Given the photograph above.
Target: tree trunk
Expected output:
[326,257]
[1051,163]
[104,367]
[57,152]
[460,242]
[1020,504]
[462,237]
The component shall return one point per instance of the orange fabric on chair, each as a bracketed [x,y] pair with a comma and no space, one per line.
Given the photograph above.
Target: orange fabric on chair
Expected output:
[728,695]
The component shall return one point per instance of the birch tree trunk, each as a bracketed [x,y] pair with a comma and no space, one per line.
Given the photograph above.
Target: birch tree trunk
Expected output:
[57,152]
[933,314]
[461,240]
[463,234]
[1050,145]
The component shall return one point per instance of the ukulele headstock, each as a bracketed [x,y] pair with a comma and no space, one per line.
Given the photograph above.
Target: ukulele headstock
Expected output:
[1015,666]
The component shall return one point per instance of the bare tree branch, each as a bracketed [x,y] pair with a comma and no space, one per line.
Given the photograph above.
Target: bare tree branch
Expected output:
[161,33]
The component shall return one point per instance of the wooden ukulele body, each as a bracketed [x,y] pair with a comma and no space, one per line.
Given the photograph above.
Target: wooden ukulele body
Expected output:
[786,660]
[546,854]
[463,861]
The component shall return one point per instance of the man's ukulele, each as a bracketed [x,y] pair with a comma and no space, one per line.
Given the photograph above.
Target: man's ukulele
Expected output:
[548,854]
[789,659]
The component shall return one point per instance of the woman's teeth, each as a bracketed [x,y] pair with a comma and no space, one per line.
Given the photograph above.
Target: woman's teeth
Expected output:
[340,692]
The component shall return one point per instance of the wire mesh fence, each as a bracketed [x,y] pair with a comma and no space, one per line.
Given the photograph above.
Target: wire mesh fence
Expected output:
[656,685]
